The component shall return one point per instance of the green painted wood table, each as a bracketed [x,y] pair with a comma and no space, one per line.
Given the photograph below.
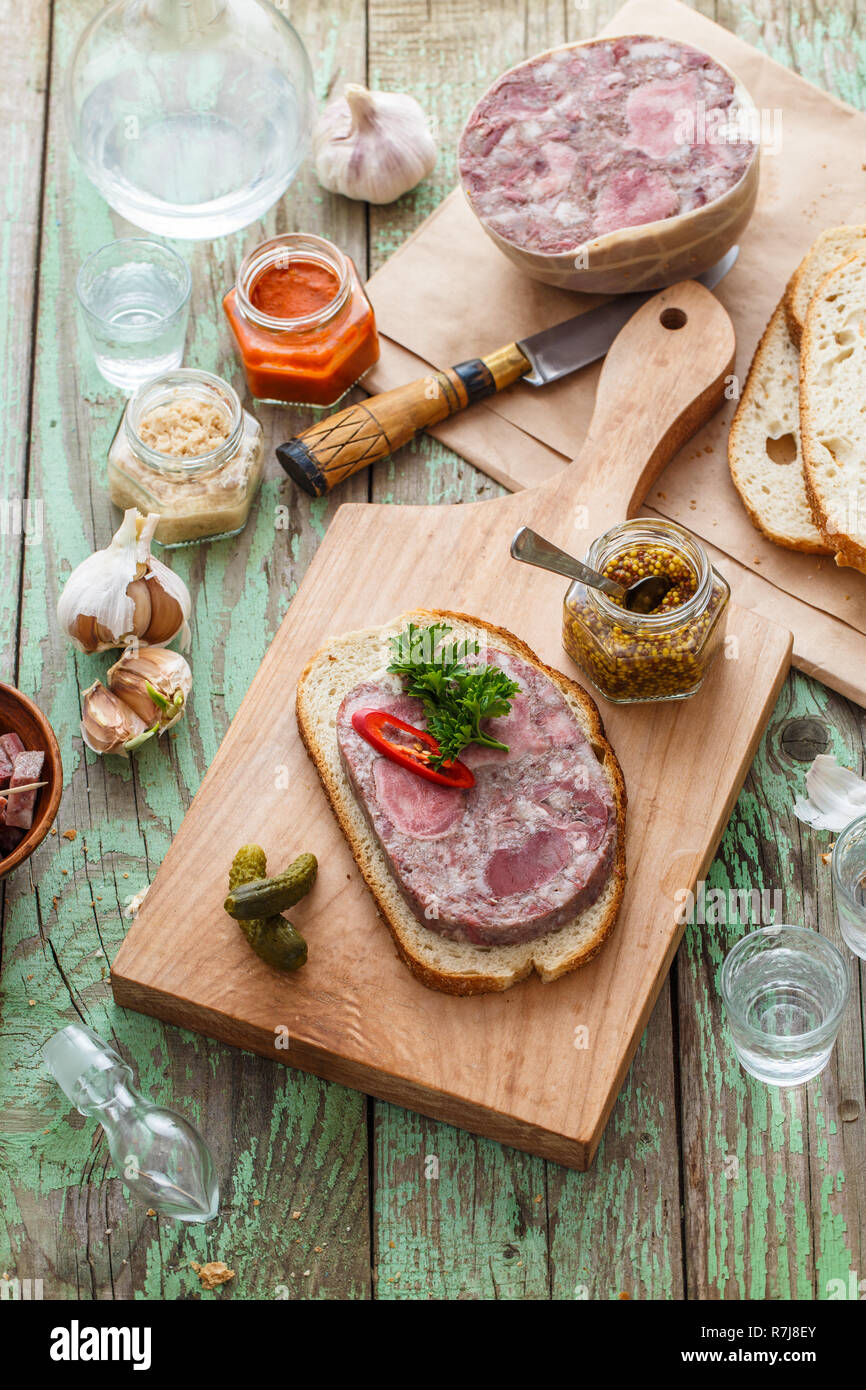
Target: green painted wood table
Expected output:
[706,1185]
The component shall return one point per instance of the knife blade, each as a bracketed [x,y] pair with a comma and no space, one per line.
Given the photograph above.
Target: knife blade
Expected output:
[334,448]
[557,351]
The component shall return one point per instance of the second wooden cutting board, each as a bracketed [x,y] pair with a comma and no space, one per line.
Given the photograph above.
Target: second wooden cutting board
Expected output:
[538,1067]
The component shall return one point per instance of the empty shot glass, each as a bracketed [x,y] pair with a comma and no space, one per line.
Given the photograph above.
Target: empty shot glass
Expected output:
[784,990]
[849,883]
[134,298]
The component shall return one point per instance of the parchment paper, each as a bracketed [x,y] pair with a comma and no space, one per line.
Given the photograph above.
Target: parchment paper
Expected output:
[449,294]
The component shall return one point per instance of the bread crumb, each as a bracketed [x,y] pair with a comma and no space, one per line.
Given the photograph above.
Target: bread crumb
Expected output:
[296,1216]
[212,1274]
[54,830]
[69,834]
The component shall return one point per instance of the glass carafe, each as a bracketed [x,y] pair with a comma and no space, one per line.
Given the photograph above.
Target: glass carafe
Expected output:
[191,117]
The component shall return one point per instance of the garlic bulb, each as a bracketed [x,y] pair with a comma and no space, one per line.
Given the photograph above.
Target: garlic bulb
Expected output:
[372,145]
[108,725]
[834,795]
[123,593]
[154,683]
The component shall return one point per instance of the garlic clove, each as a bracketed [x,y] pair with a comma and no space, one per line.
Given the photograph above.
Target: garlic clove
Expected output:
[166,617]
[173,587]
[84,633]
[372,146]
[108,725]
[103,603]
[142,606]
[153,682]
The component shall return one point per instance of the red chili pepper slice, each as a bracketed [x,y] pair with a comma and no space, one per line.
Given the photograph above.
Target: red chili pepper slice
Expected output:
[414,751]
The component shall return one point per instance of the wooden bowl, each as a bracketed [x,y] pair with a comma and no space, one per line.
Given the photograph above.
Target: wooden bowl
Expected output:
[19,715]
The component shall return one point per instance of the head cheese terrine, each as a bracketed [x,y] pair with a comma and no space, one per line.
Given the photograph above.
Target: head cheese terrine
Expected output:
[591,138]
[524,851]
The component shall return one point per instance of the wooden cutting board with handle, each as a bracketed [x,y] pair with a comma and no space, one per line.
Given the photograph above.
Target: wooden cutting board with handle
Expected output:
[539,1066]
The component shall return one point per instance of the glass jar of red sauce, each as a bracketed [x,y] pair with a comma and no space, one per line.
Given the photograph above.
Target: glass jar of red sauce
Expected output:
[304,326]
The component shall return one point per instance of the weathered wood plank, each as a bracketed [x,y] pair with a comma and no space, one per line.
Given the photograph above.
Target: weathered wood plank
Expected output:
[420,1222]
[774,1194]
[281,1140]
[432,1182]
[22,122]
[774,1179]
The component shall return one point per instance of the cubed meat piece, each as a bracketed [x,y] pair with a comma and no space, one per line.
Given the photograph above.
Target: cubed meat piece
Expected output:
[19,808]
[10,747]
[10,838]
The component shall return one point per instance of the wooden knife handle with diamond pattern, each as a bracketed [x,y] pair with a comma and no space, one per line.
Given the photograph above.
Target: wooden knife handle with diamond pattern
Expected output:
[343,444]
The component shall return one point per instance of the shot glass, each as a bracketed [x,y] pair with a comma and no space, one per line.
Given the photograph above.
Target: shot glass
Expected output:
[134,299]
[849,883]
[784,989]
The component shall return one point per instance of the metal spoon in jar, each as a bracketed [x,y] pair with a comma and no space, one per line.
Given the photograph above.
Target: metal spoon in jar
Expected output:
[644,596]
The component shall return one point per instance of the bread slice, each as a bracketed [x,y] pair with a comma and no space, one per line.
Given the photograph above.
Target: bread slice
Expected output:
[833,409]
[764,453]
[832,247]
[450,966]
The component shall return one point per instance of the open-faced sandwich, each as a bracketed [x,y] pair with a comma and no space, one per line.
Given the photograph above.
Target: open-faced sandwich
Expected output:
[480,797]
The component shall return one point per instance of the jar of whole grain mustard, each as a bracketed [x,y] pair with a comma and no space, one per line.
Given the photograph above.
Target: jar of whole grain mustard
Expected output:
[304,327]
[187,449]
[662,655]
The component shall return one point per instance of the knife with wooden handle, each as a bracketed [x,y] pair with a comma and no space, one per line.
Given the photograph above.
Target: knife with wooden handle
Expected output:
[342,444]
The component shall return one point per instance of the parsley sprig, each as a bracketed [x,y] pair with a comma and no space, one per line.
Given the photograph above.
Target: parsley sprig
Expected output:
[456,697]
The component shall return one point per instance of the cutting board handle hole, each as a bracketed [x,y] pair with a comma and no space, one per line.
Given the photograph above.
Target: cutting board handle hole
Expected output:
[673,318]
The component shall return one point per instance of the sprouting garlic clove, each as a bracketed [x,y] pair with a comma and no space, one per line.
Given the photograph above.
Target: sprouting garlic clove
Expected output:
[155,683]
[108,599]
[108,725]
[372,146]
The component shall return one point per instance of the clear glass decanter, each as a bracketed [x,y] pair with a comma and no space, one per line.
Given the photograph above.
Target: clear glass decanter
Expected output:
[191,117]
[157,1153]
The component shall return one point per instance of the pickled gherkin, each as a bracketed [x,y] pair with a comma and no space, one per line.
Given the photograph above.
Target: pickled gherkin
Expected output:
[276,941]
[249,863]
[264,896]
[272,938]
